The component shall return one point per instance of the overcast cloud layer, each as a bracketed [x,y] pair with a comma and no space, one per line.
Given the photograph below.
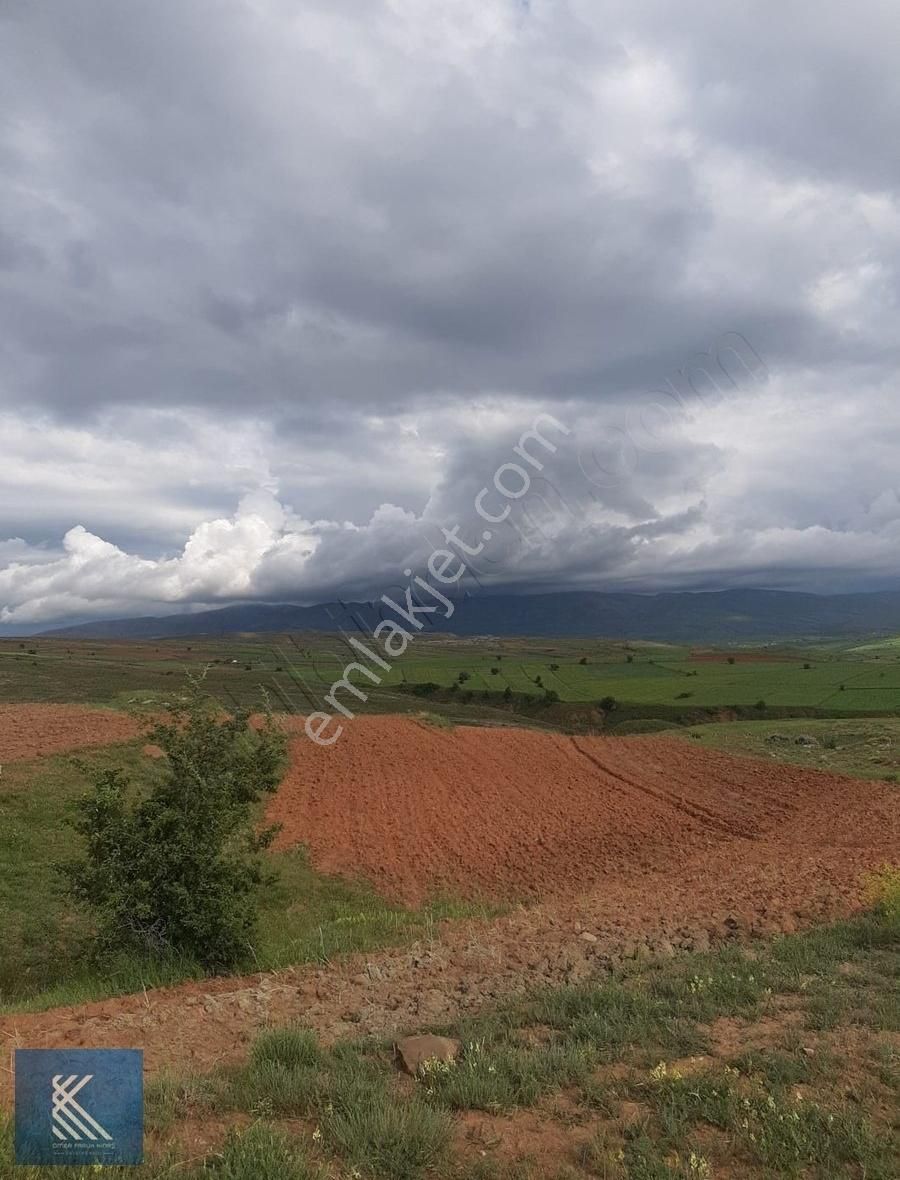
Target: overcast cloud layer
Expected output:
[282,284]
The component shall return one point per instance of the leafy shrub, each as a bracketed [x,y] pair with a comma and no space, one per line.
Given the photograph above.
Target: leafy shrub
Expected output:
[607,704]
[178,869]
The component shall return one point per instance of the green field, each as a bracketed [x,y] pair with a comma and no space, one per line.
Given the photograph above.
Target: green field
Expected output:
[301,669]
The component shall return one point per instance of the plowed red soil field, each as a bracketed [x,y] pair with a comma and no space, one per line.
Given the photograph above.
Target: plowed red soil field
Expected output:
[513,813]
[33,731]
[637,846]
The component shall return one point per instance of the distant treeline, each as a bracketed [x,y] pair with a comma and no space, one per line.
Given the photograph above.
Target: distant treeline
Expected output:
[619,716]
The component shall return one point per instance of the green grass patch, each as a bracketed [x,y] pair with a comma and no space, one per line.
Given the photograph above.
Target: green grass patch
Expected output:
[864,747]
[346,1091]
[615,1018]
[502,1077]
[260,1153]
[785,1133]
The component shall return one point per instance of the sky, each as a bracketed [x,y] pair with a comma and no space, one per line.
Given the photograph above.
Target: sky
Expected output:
[282,285]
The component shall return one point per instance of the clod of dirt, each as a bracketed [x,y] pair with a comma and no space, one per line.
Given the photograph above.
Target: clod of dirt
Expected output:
[415,1052]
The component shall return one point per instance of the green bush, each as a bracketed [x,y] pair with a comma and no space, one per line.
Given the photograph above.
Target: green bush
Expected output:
[178,869]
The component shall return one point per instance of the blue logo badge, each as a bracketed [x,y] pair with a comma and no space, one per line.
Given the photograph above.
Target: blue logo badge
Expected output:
[79,1106]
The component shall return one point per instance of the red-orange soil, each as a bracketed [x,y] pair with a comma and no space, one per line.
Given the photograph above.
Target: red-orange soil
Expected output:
[638,846]
[514,813]
[33,731]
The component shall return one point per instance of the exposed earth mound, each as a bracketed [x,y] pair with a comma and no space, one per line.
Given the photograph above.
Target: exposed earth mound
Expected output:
[514,813]
[34,731]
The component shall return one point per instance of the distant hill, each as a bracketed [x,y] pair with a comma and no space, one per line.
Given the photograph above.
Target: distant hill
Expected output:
[711,616]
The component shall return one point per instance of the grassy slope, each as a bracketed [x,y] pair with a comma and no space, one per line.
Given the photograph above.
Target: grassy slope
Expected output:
[867,748]
[783,1062]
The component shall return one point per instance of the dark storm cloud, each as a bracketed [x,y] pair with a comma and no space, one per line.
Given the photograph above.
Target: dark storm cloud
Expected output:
[342,260]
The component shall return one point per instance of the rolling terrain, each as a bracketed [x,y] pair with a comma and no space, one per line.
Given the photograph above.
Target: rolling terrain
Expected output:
[429,870]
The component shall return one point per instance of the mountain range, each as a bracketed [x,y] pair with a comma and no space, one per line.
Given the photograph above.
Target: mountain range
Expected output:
[712,616]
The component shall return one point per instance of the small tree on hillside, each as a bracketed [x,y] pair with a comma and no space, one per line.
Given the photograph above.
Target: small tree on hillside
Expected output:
[177,869]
